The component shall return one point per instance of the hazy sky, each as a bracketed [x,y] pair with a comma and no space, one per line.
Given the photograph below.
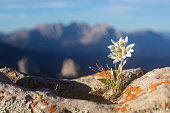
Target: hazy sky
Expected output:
[126,15]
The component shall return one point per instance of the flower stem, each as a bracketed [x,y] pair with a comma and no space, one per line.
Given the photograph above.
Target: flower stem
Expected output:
[116,68]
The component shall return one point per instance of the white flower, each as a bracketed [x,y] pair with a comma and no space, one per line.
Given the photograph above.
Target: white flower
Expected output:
[119,50]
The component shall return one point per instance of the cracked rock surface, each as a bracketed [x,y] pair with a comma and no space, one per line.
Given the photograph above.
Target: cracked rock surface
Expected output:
[20,93]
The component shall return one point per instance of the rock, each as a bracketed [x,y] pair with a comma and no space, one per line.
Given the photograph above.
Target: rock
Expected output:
[144,93]
[69,69]
[149,93]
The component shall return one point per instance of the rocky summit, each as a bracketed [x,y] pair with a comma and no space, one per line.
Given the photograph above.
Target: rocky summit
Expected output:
[145,92]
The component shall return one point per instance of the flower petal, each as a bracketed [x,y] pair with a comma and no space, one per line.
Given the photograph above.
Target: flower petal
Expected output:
[131,50]
[130,46]
[120,40]
[113,42]
[128,54]
[113,51]
[126,40]
[111,56]
[111,47]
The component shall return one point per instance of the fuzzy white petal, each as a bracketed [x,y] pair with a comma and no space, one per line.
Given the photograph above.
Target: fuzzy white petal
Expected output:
[131,50]
[128,54]
[120,40]
[113,42]
[113,51]
[126,39]
[130,46]
[112,56]
[111,47]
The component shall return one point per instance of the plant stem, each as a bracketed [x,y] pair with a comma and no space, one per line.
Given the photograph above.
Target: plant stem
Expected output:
[116,68]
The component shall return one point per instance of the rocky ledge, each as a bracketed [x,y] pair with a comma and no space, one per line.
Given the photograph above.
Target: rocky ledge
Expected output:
[20,93]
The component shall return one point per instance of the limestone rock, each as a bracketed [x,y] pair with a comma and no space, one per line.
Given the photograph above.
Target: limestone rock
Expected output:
[144,93]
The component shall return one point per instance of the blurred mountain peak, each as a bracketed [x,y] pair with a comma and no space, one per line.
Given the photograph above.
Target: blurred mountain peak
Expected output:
[49,44]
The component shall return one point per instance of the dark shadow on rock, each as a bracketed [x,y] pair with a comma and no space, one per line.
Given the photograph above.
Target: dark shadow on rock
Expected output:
[78,91]
[62,88]
[5,79]
[35,82]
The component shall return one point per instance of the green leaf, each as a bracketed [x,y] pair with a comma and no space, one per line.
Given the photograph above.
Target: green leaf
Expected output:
[103,81]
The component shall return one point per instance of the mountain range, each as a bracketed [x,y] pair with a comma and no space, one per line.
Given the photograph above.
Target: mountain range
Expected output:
[42,50]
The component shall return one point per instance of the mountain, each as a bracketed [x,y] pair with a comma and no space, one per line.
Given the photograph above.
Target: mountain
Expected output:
[165,34]
[49,38]
[150,44]
[1,35]
[48,46]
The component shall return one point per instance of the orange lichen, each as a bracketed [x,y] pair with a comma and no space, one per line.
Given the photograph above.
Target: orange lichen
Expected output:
[10,78]
[15,81]
[131,93]
[103,74]
[134,92]
[1,97]
[110,108]
[116,109]
[153,87]
[168,104]
[43,102]
[83,77]
[168,76]
[13,72]
[1,92]
[52,108]
[122,109]
[12,98]
[38,96]
[35,103]
[166,82]
[140,73]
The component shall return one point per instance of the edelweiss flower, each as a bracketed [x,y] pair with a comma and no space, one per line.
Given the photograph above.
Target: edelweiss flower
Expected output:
[119,50]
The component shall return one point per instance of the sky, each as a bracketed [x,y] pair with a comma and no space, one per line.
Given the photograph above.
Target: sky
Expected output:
[124,15]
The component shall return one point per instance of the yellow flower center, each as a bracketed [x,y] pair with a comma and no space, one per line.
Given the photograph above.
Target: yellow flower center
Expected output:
[120,43]
[117,49]
[123,49]
[119,54]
